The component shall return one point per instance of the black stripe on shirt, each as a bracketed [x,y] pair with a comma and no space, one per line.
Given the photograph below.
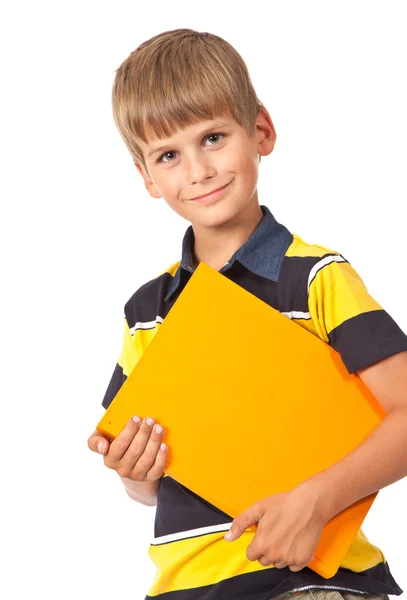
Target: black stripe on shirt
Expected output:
[116,382]
[180,509]
[278,581]
[367,338]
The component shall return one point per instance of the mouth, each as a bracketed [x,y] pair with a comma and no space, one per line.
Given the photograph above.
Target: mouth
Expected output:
[211,195]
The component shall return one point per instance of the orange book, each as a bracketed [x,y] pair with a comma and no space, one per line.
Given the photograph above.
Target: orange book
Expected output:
[236,384]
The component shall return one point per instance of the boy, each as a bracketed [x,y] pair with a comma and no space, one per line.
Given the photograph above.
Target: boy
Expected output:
[187,111]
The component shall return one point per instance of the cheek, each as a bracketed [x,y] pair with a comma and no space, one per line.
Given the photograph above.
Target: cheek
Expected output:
[244,159]
[247,165]
[166,184]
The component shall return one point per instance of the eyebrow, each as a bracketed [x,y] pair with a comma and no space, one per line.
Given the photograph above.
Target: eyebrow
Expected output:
[201,134]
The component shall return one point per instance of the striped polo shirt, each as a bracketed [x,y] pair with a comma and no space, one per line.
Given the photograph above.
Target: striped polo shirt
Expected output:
[319,290]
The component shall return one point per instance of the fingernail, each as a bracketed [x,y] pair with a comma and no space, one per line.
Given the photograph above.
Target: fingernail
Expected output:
[163,447]
[100,447]
[149,421]
[158,429]
[228,535]
[136,419]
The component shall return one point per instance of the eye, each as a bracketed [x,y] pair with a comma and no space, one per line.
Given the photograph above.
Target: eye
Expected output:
[215,135]
[166,155]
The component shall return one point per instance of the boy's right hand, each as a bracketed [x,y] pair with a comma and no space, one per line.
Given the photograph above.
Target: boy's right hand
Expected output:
[135,453]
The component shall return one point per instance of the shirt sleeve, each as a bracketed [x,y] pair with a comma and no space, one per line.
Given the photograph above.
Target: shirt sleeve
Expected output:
[127,361]
[347,317]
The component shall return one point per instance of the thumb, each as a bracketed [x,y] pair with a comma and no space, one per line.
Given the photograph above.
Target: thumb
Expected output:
[98,443]
[242,522]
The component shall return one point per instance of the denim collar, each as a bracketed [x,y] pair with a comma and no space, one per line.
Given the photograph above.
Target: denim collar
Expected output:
[262,253]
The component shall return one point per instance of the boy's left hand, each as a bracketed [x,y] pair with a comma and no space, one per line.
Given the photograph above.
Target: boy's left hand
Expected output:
[289,526]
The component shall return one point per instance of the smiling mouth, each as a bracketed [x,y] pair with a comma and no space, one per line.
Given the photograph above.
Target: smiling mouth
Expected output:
[210,193]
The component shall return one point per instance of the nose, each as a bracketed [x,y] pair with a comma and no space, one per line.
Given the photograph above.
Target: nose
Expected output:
[198,168]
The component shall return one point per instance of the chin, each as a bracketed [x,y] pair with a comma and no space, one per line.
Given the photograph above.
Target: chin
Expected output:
[215,216]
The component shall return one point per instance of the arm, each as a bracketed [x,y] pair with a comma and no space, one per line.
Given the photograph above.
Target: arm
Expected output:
[372,345]
[142,492]
[381,459]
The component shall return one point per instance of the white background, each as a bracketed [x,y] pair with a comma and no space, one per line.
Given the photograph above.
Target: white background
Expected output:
[77,227]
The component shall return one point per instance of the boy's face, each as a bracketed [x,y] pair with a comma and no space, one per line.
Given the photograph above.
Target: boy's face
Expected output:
[203,157]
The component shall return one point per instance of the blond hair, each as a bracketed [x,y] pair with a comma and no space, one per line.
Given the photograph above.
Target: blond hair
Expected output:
[177,78]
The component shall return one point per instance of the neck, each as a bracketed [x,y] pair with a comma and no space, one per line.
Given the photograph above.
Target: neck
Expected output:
[215,246]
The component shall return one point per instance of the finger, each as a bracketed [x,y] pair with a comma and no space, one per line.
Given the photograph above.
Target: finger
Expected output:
[296,568]
[265,562]
[242,522]
[255,549]
[159,466]
[142,463]
[122,442]
[124,459]
[280,564]
[97,442]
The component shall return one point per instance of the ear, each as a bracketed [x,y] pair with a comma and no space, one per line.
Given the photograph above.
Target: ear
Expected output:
[265,132]
[150,187]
